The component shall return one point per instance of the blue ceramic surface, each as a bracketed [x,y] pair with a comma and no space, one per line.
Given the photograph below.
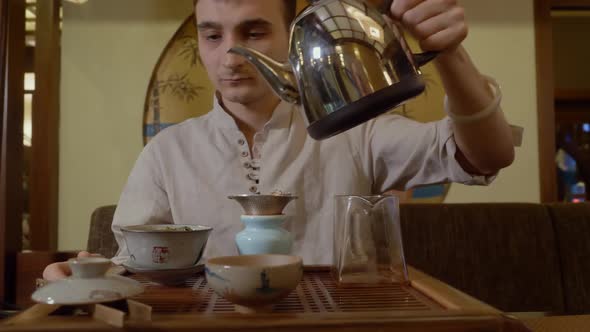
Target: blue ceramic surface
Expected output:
[264,235]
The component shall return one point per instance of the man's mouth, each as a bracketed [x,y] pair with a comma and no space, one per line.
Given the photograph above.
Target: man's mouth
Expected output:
[235,79]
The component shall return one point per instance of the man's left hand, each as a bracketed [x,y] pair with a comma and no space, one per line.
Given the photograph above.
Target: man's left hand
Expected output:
[438,25]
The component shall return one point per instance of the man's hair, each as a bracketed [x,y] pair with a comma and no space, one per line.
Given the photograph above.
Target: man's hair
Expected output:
[289,10]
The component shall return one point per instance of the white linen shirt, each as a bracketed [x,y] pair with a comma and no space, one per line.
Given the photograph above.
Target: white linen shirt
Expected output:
[185,174]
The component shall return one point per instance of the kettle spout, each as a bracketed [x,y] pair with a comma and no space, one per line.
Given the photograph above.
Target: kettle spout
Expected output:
[279,76]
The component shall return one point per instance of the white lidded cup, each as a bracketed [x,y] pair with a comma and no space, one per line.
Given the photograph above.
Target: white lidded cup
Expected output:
[167,246]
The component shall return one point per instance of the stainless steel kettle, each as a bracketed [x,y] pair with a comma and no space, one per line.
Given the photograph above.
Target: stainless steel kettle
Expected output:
[347,64]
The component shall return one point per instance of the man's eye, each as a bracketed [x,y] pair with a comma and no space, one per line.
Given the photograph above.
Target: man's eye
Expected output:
[256,35]
[213,37]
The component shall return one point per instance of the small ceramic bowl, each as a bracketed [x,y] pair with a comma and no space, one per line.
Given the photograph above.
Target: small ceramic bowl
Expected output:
[161,247]
[254,282]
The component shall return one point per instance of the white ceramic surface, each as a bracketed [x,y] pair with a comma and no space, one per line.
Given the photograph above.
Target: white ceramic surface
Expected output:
[88,285]
[164,247]
[171,277]
[254,281]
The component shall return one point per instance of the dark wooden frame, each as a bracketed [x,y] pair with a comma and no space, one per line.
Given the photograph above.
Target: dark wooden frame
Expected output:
[11,142]
[44,179]
[546,94]
[3,106]
[572,106]
[570,4]
[545,100]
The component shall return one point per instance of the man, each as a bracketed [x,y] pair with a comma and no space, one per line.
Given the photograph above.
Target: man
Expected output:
[253,142]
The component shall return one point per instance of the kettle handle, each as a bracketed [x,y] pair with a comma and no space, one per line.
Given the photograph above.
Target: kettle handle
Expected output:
[385,5]
[420,58]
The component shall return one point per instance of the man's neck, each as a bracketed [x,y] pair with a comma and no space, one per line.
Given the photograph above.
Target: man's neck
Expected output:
[251,117]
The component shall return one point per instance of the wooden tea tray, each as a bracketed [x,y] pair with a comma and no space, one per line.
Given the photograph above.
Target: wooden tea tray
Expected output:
[426,304]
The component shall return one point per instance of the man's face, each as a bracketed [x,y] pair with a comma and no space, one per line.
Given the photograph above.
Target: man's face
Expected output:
[258,24]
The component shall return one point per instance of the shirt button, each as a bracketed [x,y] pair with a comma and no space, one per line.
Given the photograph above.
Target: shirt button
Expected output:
[253,189]
[241,141]
[244,154]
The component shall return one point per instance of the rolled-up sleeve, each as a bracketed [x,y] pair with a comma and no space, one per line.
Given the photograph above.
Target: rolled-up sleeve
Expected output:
[143,200]
[400,153]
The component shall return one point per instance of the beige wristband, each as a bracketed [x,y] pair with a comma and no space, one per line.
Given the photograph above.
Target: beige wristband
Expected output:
[493,107]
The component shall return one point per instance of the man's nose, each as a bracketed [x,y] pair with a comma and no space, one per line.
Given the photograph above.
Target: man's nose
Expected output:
[232,60]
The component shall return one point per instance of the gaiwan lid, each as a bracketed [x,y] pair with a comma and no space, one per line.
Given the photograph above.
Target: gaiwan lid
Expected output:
[87,285]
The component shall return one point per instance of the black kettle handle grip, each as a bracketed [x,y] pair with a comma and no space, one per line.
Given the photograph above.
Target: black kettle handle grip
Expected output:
[421,58]
[385,6]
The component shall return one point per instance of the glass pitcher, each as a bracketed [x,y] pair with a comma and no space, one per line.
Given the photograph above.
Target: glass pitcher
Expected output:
[367,240]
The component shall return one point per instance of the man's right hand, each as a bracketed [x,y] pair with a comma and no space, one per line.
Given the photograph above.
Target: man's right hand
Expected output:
[60,270]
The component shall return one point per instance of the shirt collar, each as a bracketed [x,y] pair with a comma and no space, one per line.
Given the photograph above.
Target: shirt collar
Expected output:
[220,116]
[281,116]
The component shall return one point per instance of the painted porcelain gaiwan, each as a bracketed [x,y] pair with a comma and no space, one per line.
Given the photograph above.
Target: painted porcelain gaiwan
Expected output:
[254,282]
[160,247]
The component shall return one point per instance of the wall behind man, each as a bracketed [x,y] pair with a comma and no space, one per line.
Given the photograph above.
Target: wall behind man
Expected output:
[110,47]
[501,42]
